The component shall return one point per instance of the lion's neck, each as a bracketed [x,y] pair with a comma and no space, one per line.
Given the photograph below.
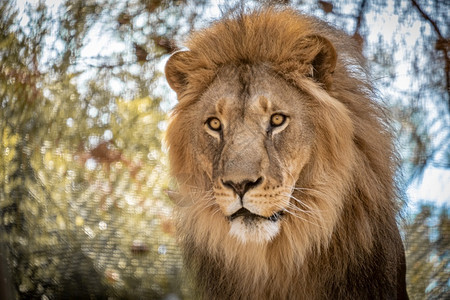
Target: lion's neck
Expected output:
[257,273]
[225,268]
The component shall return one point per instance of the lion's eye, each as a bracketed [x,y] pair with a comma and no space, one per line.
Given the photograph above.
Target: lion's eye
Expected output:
[277,120]
[214,124]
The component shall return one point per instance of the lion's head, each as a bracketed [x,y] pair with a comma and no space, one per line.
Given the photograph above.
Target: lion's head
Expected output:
[279,152]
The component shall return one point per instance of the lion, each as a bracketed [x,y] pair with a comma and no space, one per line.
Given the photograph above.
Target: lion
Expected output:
[284,163]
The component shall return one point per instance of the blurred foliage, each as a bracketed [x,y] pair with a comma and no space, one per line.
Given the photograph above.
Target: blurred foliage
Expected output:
[83,172]
[82,202]
[427,246]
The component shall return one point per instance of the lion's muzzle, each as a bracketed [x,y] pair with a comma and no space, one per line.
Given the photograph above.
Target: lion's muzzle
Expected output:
[250,207]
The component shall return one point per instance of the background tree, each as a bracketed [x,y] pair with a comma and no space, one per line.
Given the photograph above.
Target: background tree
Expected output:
[83,109]
[427,246]
[83,174]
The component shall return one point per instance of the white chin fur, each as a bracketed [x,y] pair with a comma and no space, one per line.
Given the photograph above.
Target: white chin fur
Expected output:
[259,231]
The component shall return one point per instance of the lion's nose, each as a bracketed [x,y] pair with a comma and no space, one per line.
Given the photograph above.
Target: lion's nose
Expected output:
[242,187]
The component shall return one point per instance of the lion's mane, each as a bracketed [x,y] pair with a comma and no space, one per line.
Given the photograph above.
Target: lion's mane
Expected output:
[349,179]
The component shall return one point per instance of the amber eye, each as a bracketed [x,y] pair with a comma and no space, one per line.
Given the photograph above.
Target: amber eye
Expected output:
[214,124]
[277,120]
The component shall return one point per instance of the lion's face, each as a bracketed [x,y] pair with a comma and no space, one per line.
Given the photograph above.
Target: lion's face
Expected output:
[254,138]
[258,146]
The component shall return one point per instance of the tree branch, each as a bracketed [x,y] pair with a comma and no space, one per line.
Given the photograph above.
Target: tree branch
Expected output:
[359,19]
[443,45]
[426,17]
[362,6]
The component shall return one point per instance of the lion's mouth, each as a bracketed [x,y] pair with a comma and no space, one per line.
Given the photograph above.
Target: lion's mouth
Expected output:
[249,216]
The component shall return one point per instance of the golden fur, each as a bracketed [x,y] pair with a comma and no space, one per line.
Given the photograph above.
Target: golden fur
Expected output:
[329,169]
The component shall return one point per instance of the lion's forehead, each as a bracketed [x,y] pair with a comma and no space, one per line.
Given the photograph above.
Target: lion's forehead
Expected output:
[250,96]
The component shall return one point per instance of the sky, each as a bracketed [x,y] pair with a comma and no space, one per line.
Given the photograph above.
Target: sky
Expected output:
[432,187]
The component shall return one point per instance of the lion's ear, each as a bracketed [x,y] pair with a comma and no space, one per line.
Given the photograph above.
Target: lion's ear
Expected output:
[175,71]
[322,56]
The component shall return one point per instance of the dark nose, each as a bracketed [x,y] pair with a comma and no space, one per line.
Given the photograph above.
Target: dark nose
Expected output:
[242,187]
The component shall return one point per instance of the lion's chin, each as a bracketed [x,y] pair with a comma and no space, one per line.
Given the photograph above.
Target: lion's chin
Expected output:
[256,230]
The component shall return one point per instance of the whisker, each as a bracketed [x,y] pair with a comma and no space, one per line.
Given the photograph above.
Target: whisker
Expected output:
[306,190]
[217,210]
[209,200]
[303,204]
[295,215]
[309,214]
